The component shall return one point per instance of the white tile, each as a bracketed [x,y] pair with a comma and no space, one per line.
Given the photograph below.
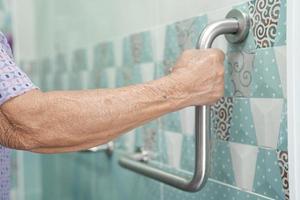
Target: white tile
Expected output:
[85,79]
[187,119]
[244,164]
[65,82]
[118,51]
[266,116]
[147,71]
[280,53]
[111,74]
[129,140]
[158,42]
[174,144]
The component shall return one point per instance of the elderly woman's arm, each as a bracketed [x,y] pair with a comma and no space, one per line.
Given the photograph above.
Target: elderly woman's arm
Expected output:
[64,121]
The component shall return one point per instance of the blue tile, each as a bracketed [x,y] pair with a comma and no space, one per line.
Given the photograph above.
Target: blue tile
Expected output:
[74,81]
[221,165]
[188,153]
[60,63]
[212,191]
[171,122]
[281,29]
[266,80]
[283,133]
[267,178]
[45,69]
[242,128]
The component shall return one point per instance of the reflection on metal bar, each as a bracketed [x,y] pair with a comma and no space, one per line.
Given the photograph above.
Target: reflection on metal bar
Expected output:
[236,26]
[107,148]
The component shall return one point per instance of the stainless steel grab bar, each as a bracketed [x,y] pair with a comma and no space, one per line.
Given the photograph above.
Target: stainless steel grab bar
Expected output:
[236,25]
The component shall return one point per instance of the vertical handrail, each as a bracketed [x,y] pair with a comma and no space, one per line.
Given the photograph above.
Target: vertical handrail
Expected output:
[237,26]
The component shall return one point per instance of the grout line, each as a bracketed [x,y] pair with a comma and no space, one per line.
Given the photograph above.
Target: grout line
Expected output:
[237,188]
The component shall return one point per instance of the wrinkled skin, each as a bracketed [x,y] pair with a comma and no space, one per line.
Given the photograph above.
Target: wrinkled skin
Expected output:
[66,121]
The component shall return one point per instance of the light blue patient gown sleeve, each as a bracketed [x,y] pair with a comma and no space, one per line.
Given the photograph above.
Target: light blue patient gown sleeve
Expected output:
[13,82]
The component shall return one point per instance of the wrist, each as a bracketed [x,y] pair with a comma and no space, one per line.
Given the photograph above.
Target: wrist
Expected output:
[173,92]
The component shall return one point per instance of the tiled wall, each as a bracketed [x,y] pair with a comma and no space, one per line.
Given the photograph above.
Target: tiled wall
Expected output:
[249,125]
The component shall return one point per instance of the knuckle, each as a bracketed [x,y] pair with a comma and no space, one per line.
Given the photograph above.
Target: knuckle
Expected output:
[217,54]
[188,52]
[221,71]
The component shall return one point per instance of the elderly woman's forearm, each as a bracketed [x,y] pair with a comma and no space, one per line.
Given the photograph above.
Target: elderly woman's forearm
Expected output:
[73,120]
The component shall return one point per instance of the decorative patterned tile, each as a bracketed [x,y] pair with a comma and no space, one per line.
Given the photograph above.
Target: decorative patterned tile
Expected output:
[256,74]
[180,36]
[137,48]
[150,136]
[264,21]
[282,157]
[79,60]
[268,179]
[104,55]
[125,76]
[239,73]
[221,118]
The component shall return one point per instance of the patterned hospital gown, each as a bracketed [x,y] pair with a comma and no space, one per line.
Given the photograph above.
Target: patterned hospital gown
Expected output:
[13,82]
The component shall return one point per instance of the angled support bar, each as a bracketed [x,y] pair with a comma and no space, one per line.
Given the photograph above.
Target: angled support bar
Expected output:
[236,26]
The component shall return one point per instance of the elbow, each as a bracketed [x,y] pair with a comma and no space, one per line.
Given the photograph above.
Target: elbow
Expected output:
[20,125]
[19,139]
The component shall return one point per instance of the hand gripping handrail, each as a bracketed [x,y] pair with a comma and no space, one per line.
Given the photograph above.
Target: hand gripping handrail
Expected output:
[236,26]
